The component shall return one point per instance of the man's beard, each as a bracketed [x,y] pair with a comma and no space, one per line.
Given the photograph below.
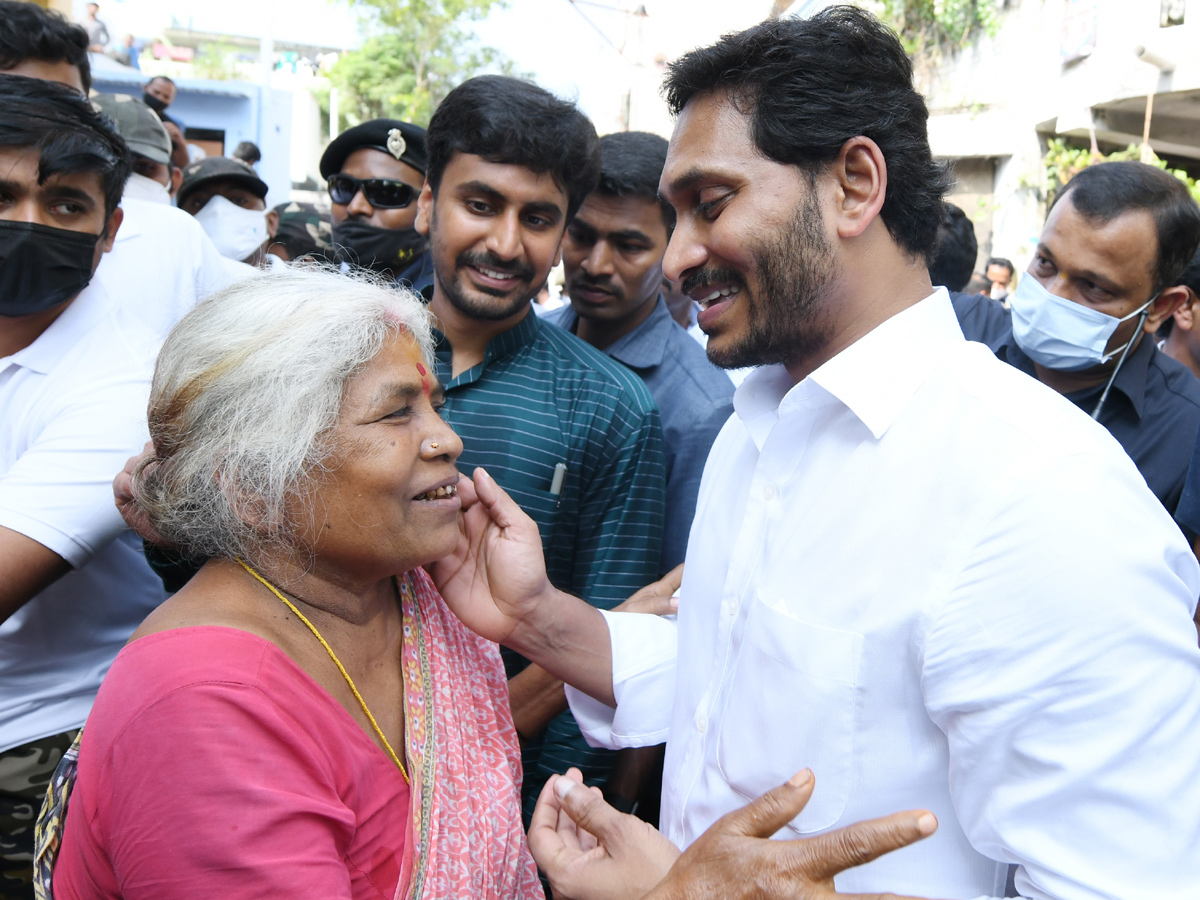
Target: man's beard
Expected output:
[454,284]
[794,270]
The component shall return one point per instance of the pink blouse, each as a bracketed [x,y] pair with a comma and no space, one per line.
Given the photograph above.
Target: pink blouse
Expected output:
[213,766]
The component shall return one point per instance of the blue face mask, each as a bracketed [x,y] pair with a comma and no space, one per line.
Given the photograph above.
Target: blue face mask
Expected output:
[1059,334]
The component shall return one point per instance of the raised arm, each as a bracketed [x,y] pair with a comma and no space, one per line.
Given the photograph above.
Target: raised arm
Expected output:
[495,581]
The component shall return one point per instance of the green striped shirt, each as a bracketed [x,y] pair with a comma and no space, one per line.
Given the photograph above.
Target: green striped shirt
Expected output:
[541,397]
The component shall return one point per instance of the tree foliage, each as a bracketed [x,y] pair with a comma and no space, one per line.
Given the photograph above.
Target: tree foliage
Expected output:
[1063,162]
[416,52]
[937,26]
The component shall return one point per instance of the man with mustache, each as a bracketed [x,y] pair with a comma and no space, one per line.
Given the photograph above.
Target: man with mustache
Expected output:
[573,436]
[374,172]
[612,254]
[922,575]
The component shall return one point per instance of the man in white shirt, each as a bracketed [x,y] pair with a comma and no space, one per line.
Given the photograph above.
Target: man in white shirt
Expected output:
[926,577]
[74,379]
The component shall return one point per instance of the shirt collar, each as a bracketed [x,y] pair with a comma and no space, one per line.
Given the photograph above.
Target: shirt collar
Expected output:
[1130,381]
[874,377]
[503,345]
[645,346]
[72,325]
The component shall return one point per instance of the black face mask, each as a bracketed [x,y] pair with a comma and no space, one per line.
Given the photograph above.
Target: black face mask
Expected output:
[386,250]
[153,102]
[41,266]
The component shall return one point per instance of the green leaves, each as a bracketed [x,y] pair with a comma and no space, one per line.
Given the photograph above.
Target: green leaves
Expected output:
[416,53]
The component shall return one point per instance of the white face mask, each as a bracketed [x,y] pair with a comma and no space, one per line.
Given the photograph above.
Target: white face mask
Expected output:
[1060,334]
[237,232]
[139,187]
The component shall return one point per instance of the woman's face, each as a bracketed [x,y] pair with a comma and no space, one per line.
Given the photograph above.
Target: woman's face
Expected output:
[388,502]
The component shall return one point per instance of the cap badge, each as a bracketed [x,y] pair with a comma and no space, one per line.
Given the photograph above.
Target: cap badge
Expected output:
[395,143]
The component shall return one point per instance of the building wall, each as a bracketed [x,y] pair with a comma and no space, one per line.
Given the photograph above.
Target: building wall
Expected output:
[1001,97]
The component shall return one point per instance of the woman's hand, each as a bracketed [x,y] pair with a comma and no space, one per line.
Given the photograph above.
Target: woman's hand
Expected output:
[134,516]
[496,576]
[615,855]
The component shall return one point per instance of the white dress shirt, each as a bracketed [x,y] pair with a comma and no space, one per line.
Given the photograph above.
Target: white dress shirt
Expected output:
[72,410]
[939,585]
[162,264]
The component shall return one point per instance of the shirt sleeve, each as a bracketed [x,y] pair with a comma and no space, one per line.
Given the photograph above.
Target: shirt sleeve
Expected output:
[214,791]
[1187,513]
[59,491]
[1065,674]
[618,546]
[644,651]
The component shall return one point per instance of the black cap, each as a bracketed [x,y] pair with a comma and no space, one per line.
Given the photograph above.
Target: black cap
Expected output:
[400,140]
[220,168]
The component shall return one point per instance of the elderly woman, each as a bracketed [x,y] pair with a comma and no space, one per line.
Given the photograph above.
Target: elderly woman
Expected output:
[304,718]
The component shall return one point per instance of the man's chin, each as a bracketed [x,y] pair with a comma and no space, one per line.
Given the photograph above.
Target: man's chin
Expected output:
[477,303]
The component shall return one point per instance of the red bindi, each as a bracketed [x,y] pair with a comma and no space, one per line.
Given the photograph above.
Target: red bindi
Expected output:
[421,369]
[426,387]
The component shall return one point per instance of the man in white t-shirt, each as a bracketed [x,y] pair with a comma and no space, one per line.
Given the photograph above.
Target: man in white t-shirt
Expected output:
[74,378]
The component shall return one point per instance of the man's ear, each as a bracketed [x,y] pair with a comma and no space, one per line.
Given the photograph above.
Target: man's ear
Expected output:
[1164,306]
[176,179]
[272,222]
[860,176]
[424,209]
[1185,316]
[110,230]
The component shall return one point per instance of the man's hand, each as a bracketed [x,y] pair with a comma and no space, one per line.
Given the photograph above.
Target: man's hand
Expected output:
[588,850]
[615,856]
[735,859]
[134,515]
[496,575]
[657,598]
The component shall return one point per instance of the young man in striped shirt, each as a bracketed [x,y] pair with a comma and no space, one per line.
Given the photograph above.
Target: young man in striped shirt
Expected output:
[573,436]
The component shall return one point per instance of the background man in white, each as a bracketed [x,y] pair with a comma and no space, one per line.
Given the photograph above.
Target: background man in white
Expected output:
[74,379]
[921,574]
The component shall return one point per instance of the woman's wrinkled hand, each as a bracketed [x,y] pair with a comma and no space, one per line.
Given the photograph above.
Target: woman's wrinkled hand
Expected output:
[134,516]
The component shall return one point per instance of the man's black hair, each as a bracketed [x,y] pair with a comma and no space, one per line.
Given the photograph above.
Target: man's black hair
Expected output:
[954,263]
[163,78]
[29,32]
[810,85]
[1191,279]
[631,164]
[514,122]
[1105,191]
[247,152]
[1001,261]
[68,132]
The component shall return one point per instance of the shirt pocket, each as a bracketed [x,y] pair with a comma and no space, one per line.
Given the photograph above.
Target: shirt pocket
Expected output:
[530,494]
[792,703]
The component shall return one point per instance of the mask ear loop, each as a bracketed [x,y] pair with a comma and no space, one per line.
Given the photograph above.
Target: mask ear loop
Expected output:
[1120,362]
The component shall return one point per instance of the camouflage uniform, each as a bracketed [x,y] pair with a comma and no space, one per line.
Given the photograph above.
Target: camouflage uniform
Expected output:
[25,772]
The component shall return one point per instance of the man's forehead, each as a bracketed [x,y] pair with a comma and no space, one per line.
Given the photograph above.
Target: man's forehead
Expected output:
[515,183]
[1123,248]
[20,164]
[711,136]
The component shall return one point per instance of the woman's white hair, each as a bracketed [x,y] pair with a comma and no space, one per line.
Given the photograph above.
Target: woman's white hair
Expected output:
[247,390]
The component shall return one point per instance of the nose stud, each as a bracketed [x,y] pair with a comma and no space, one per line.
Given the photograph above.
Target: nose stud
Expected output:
[433,445]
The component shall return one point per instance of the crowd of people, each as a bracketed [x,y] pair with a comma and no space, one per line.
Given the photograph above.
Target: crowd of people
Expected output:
[332,565]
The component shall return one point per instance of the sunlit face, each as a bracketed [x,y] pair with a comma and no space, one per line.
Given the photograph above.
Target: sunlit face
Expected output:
[74,201]
[367,163]
[1106,266]
[230,190]
[382,508]
[612,256]
[161,89]
[494,230]
[997,274]
[750,242]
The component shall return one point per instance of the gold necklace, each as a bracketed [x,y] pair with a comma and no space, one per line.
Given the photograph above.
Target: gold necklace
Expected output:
[350,681]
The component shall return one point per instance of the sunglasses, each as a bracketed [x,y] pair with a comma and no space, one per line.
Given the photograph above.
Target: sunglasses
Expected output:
[382,193]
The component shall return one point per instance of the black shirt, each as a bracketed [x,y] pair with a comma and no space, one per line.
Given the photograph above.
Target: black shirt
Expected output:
[1153,409]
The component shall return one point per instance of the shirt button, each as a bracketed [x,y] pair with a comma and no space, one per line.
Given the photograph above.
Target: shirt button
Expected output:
[769,492]
[731,608]
[701,722]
